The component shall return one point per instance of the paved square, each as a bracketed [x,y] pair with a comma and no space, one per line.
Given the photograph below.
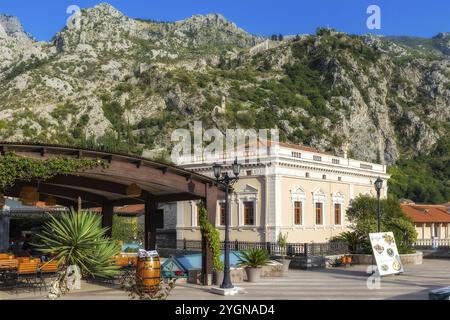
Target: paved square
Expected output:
[325,284]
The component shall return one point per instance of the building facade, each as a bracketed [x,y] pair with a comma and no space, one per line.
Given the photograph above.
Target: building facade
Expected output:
[430,221]
[292,189]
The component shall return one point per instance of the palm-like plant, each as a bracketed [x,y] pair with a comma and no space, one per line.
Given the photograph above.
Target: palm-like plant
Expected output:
[254,258]
[353,239]
[77,238]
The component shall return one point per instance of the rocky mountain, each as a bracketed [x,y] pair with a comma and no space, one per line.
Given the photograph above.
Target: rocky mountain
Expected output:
[11,26]
[438,45]
[125,84]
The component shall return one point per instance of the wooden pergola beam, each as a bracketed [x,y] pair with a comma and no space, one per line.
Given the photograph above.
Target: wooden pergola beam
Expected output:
[71,193]
[89,183]
[58,191]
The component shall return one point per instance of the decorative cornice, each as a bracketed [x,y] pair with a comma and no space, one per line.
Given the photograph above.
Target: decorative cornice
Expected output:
[306,165]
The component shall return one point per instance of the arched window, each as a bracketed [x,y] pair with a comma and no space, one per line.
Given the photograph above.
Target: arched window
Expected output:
[338,202]
[247,206]
[319,199]
[298,198]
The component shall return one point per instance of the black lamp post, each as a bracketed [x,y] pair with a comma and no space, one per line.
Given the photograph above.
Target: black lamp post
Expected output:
[378,186]
[228,182]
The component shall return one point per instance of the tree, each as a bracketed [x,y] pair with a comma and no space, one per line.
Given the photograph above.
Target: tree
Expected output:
[362,213]
[423,179]
[274,37]
[76,240]
[126,229]
[280,37]
[213,237]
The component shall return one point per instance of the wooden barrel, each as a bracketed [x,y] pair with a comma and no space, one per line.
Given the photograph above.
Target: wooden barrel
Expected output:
[149,271]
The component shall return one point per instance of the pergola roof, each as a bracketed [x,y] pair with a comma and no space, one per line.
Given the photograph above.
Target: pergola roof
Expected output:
[162,182]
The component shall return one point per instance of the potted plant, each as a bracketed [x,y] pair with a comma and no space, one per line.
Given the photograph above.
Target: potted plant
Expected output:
[213,237]
[349,259]
[253,260]
[282,244]
[218,274]
[346,259]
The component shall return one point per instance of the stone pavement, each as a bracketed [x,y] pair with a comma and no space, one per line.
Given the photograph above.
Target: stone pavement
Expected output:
[324,284]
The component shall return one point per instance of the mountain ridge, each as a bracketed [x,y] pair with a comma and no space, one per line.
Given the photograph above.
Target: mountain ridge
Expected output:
[108,9]
[12,27]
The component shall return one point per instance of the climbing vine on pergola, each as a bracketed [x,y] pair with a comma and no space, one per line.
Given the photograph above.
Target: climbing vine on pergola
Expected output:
[14,168]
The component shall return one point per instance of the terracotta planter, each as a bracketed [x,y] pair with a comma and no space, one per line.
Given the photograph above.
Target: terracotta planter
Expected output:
[253,274]
[218,277]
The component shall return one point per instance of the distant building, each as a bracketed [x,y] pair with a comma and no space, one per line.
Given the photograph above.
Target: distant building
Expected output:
[429,220]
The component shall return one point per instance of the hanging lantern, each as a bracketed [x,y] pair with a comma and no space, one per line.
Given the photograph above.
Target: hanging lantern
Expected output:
[29,196]
[51,201]
[134,191]
[2,201]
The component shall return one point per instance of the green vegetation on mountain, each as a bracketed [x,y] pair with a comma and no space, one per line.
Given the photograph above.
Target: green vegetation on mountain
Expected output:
[424,178]
[124,85]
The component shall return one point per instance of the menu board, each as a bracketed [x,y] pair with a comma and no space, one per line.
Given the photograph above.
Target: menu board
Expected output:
[386,253]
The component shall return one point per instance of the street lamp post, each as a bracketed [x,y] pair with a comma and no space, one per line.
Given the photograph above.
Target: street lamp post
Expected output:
[228,182]
[378,186]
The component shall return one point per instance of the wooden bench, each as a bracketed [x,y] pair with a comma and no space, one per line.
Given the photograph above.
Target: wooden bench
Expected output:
[9,264]
[122,261]
[48,270]
[27,268]
[5,256]
[49,267]
[28,274]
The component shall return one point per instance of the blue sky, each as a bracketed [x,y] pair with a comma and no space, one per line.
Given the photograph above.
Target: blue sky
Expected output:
[44,18]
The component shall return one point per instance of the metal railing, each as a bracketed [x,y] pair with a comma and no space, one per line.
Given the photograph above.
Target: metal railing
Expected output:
[292,249]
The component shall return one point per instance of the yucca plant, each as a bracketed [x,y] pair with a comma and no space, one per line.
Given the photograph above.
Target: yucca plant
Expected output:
[78,239]
[254,258]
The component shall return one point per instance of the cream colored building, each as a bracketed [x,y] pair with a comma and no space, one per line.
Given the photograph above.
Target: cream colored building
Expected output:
[430,221]
[293,189]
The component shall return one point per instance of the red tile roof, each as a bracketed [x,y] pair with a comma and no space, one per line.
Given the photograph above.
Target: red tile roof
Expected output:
[134,209]
[426,213]
[130,210]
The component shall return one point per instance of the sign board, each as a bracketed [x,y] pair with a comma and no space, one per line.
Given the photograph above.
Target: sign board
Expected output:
[386,253]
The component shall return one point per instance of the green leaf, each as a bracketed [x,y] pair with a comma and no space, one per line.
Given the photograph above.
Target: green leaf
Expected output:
[77,238]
